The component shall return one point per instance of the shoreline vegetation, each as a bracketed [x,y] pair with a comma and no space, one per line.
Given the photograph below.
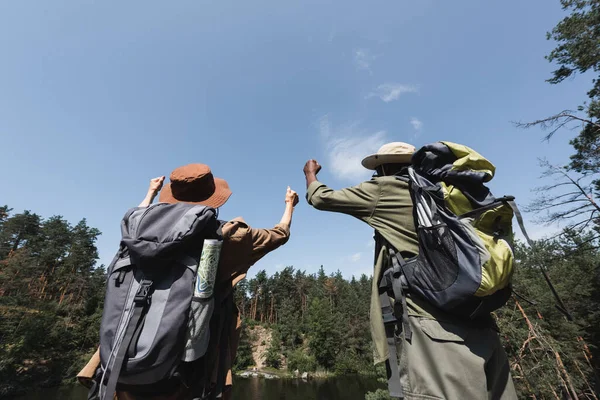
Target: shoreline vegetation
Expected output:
[271,373]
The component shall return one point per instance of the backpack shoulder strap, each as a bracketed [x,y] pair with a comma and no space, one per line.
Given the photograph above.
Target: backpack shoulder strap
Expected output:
[140,302]
[403,175]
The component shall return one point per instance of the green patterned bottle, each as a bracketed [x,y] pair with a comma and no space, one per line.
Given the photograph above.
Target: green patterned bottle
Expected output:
[207,268]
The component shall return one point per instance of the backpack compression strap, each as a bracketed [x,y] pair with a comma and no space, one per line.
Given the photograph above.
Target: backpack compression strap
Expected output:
[391,283]
[389,322]
[560,306]
[219,390]
[140,301]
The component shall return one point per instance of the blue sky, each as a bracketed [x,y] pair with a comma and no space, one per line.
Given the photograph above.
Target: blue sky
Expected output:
[97,97]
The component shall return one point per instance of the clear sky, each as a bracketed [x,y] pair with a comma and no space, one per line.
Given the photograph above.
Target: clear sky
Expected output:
[97,97]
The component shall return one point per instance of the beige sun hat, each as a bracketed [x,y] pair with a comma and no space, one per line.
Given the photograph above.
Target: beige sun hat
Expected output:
[390,153]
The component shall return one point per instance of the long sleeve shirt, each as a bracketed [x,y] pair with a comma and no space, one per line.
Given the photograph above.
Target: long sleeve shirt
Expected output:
[384,203]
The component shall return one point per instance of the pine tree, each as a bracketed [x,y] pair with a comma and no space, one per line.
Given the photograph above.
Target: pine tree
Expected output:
[51,298]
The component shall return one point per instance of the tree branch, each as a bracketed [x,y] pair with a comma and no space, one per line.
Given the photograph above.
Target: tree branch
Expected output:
[572,213]
[543,207]
[556,122]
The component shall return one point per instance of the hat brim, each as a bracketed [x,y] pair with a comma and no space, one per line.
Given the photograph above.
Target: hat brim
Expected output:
[216,200]
[375,160]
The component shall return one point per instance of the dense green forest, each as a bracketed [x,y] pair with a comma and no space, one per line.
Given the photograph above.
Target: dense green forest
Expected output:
[318,321]
[51,302]
[51,296]
[321,321]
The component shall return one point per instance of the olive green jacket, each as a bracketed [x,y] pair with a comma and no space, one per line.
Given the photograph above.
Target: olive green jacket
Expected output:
[385,204]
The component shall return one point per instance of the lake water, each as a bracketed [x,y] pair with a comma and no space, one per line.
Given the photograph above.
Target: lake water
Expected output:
[347,388]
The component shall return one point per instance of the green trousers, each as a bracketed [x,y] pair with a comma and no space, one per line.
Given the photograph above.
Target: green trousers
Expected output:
[454,362]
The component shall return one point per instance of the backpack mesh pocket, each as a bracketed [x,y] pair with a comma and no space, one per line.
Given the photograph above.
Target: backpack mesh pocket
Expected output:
[437,264]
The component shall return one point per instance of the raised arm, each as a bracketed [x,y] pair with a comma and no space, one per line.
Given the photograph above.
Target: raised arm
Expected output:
[155,186]
[266,240]
[291,200]
[359,201]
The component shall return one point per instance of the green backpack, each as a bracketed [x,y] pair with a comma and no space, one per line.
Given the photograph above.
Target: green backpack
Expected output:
[465,261]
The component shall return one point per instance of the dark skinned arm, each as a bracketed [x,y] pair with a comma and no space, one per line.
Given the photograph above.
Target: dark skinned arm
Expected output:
[311,169]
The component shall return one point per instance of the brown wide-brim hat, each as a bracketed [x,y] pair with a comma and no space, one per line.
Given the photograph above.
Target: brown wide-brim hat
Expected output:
[195,183]
[390,153]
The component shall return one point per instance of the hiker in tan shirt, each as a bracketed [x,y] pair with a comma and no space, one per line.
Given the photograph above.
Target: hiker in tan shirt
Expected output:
[242,247]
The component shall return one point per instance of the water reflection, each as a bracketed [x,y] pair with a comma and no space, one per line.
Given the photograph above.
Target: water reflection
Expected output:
[347,388]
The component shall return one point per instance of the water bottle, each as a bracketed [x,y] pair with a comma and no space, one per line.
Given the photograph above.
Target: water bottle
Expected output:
[207,268]
[201,309]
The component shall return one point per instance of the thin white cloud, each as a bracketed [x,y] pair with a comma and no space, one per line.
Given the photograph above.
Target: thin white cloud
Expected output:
[355,257]
[363,60]
[417,124]
[346,154]
[332,34]
[347,146]
[371,244]
[325,128]
[392,91]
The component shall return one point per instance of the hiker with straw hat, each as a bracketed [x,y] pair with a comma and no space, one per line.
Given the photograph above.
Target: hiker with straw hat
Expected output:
[242,247]
[441,356]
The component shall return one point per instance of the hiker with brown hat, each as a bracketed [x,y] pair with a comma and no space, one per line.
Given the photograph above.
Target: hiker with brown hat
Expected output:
[242,247]
[443,356]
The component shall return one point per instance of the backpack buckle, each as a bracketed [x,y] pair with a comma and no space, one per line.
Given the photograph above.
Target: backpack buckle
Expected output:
[143,292]
[388,316]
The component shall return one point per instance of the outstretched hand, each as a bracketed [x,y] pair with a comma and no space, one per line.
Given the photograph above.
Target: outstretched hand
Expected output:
[312,167]
[291,197]
[156,184]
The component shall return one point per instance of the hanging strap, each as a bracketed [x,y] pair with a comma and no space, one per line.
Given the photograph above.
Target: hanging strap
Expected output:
[225,320]
[224,350]
[513,205]
[390,322]
[93,391]
[395,277]
[391,283]
[140,302]
[560,306]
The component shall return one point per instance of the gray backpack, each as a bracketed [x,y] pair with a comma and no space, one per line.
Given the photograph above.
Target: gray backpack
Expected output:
[149,294]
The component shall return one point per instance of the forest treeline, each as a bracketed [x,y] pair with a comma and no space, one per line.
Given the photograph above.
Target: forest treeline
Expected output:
[321,321]
[51,296]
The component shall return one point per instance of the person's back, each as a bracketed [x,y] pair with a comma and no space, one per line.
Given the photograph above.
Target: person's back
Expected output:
[446,357]
[208,372]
